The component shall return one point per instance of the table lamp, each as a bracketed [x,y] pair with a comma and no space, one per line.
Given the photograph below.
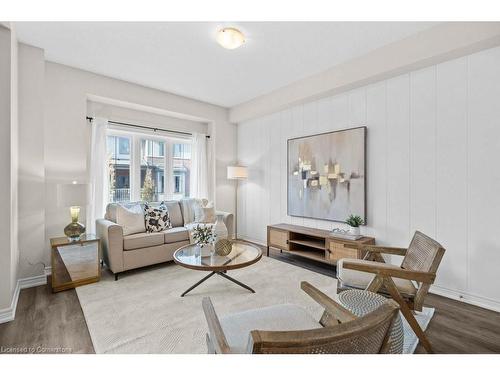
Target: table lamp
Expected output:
[74,196]
[236,172]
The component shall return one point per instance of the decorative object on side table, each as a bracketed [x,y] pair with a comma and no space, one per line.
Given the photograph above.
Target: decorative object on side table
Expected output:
[75,263]
[204,237]
[354,221]
[74,196]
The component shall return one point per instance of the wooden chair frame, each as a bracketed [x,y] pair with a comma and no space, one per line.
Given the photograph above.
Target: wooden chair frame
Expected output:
[338,323]
[385,272]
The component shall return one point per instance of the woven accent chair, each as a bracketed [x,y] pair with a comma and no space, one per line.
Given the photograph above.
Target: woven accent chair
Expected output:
[407,284]
[283,329]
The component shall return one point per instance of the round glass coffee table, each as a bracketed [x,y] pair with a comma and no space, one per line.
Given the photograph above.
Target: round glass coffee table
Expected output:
[241,255]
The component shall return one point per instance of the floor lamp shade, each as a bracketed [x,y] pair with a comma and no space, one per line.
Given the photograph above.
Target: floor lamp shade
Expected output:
[237,172]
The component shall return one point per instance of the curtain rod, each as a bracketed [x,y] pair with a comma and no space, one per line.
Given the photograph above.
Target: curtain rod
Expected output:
[145,127]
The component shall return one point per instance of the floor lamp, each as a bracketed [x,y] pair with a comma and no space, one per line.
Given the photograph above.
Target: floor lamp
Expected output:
[236,172]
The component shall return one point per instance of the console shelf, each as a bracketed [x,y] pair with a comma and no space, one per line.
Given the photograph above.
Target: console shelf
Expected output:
[312,243]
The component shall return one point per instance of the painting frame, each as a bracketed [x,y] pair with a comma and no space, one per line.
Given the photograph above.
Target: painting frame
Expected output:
[364,157]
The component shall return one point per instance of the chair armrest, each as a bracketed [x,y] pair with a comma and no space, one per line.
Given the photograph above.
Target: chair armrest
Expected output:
[378,249]
[111,235]
[390,270]
[217,336]
[332,307]
[228,219]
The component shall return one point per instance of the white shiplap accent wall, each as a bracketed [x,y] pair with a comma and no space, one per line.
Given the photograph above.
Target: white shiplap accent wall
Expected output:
[432,165]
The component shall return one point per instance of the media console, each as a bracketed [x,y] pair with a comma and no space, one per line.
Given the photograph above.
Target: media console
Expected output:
[312,243]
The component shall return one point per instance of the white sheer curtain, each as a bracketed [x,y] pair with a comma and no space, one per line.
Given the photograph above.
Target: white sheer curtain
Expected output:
[99,177]
[199,167]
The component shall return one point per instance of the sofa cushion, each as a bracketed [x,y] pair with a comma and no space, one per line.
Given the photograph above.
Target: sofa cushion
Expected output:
[360,280]
[156,217]
[288,317]
[204,214]
[188,206]
[176,235]
[174,211]
[131,219]
[140,240]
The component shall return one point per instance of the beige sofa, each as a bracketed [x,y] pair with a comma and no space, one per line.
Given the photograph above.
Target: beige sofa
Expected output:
[122,253]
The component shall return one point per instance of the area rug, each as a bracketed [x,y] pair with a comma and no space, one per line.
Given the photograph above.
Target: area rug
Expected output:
[143,312]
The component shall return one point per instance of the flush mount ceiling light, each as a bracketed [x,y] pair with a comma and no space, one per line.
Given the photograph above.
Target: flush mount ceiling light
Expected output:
[230,38]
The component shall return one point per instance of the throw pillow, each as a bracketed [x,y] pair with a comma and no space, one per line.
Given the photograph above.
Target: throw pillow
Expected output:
[205,215]
[130,219]
[157,218]
[197,205]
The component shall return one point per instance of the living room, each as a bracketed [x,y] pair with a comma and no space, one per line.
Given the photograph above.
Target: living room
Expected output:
[249,186]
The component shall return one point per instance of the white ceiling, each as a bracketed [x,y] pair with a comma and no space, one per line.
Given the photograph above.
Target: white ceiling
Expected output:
[183,57]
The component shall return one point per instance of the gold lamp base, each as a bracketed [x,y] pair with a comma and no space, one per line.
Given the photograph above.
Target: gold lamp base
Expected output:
[74,230]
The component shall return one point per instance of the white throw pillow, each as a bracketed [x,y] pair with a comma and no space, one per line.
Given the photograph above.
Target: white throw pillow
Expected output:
[205,215]
[130,219]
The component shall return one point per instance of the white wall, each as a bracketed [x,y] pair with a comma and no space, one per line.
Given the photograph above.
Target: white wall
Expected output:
[31,161]
[66,132]
[433,144]
[9,254]
[54,142]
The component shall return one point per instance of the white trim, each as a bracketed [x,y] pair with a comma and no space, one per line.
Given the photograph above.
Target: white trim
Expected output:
[9,314]
[468,298]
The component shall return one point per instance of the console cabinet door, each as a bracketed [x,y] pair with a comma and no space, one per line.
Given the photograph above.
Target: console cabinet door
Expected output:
[337,250]
[278,238]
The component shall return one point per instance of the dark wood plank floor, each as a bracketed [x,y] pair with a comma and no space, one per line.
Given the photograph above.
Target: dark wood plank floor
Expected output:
[55,322]
[46,323]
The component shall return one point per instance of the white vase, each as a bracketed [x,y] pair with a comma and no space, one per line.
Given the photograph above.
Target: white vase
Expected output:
[220,229]
[354,231]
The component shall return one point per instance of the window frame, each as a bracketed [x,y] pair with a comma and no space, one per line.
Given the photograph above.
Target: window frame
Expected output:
[135,138]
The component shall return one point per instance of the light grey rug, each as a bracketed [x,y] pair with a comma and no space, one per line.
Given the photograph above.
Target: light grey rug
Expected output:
[143,312]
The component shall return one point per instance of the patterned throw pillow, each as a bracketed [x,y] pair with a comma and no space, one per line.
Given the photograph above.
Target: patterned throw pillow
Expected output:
[156,218]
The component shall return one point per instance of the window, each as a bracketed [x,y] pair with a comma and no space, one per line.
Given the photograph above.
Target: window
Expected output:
[181,169]
[152,170]
[147,168]
[119,168]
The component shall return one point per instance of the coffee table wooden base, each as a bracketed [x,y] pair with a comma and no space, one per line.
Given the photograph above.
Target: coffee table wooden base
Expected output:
[221,273]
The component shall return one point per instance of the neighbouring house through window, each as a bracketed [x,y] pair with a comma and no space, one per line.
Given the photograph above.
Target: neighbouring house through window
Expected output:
[147,168]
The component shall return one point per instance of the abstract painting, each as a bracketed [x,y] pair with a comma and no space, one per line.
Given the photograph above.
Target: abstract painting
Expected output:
[326,175]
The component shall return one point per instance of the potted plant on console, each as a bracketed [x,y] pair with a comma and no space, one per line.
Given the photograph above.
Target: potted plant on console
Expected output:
[354,221]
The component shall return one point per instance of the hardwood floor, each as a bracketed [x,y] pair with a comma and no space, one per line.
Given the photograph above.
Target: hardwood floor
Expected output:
[46,323]
[55,323]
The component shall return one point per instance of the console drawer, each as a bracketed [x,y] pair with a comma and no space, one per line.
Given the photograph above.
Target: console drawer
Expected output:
[278,238]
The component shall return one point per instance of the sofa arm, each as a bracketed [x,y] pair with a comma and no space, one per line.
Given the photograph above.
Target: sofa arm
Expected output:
[228,219]
[111,235]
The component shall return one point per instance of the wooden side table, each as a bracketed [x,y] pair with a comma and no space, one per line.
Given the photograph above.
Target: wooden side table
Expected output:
[75,263]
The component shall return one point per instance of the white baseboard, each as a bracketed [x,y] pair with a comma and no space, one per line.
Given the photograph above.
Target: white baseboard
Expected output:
[9,314]
[471,299]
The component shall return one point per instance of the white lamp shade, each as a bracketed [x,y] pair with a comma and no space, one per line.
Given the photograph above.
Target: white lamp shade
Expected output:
[69,195]
[237,172]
